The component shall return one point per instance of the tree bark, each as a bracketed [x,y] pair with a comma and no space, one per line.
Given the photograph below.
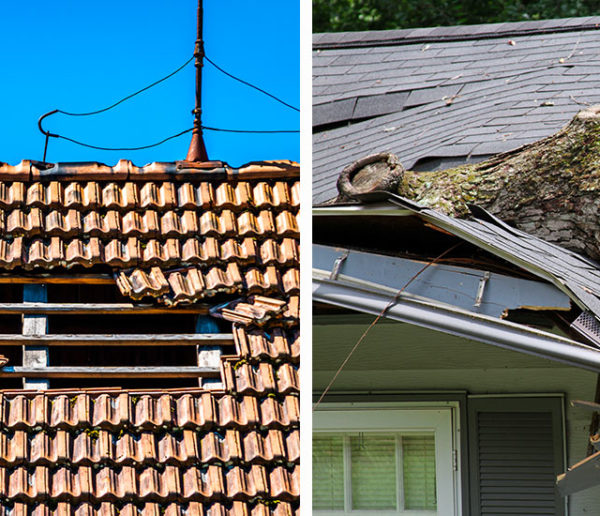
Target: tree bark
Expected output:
[550,188]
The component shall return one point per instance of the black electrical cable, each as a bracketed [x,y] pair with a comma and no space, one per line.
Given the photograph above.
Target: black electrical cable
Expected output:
[141,147]
[123,148]
[249,84]
[251,131]
[129,96]
[97,147]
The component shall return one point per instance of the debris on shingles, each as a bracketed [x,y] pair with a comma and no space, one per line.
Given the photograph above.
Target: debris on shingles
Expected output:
[255,310]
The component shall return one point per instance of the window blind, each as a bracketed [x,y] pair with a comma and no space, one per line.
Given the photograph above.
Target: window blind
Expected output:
[373,467]
[418,462]
[374,471]
[328,472]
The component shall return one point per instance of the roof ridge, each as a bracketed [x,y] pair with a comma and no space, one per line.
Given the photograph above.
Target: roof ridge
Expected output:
[378,38]
[125,170]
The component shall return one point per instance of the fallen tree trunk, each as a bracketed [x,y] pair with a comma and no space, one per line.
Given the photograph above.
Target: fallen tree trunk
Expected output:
[550,188]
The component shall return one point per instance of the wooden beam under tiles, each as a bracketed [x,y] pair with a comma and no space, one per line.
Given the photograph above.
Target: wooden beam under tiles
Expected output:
[98,308]
[186,339]
[208,356]
[109,372]
[34,326]
[89,279]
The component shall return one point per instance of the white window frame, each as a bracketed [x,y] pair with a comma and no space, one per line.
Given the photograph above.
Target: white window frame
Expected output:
[401,418]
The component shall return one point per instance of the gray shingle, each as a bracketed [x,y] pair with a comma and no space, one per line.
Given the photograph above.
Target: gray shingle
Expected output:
[499,90]
[376,105]
[333,112]
[427,95]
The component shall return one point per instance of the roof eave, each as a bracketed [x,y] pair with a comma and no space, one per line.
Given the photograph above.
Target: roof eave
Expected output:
[458,322]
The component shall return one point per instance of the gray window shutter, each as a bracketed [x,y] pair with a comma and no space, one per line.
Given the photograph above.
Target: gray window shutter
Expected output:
[515,453]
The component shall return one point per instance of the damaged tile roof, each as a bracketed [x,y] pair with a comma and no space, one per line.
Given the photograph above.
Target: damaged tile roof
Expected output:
[440,95]
[176,232]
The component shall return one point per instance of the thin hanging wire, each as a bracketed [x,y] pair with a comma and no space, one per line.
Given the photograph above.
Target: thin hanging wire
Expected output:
[250,84]
[393,301]
[77,142]
[181,133]
[48,134]
[155,83]
[251,131]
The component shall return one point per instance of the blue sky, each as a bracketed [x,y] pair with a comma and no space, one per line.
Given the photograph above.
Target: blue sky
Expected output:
[82,56]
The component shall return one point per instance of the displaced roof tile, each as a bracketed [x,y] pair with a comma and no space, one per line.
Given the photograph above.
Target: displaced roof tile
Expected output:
[201,451]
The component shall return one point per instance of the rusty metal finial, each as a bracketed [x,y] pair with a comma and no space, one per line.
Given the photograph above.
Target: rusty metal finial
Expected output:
[197,150]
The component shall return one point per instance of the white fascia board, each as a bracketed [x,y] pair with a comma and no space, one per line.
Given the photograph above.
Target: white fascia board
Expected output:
[381,208]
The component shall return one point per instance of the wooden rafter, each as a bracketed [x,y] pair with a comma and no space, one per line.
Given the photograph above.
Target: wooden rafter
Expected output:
[184,339]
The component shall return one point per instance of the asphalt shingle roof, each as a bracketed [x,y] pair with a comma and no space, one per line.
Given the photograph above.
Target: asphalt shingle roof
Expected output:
[447,92]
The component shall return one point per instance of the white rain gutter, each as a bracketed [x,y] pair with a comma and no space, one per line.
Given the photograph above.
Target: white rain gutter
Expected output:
[456,321]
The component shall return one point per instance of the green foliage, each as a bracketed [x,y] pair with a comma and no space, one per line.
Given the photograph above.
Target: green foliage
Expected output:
[351,15]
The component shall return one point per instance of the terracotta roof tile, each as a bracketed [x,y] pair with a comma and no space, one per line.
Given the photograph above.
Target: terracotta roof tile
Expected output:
[236,508]
[261,378]
[112,410]
[179,232]
[74,221]
[190,284]
[254,310]
[276,345]
[162,484]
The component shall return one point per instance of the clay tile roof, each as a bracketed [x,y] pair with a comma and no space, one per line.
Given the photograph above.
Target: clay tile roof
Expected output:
[176,233]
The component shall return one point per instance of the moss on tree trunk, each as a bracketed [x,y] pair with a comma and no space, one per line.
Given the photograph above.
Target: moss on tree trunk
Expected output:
[550,188]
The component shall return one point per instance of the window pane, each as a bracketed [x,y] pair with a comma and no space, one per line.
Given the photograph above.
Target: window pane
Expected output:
[373,464]
[419,472]
[328,471]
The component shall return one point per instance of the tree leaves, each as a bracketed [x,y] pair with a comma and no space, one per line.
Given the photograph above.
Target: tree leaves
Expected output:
[352,15]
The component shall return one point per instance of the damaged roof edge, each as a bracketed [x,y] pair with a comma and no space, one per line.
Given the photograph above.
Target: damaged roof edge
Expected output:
[469,289]
[570,272]
[460,323]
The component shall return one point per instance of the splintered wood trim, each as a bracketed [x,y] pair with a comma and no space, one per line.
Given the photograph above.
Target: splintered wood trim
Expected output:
[89,279]
[590,405]
[110,372]
[186,339]
[98,308]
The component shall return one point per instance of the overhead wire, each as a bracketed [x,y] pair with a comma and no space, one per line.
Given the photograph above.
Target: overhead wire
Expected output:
[250,84]
[141,147]
[392,302]
[97,112]
[181,133]
[251,131]
[164,140]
